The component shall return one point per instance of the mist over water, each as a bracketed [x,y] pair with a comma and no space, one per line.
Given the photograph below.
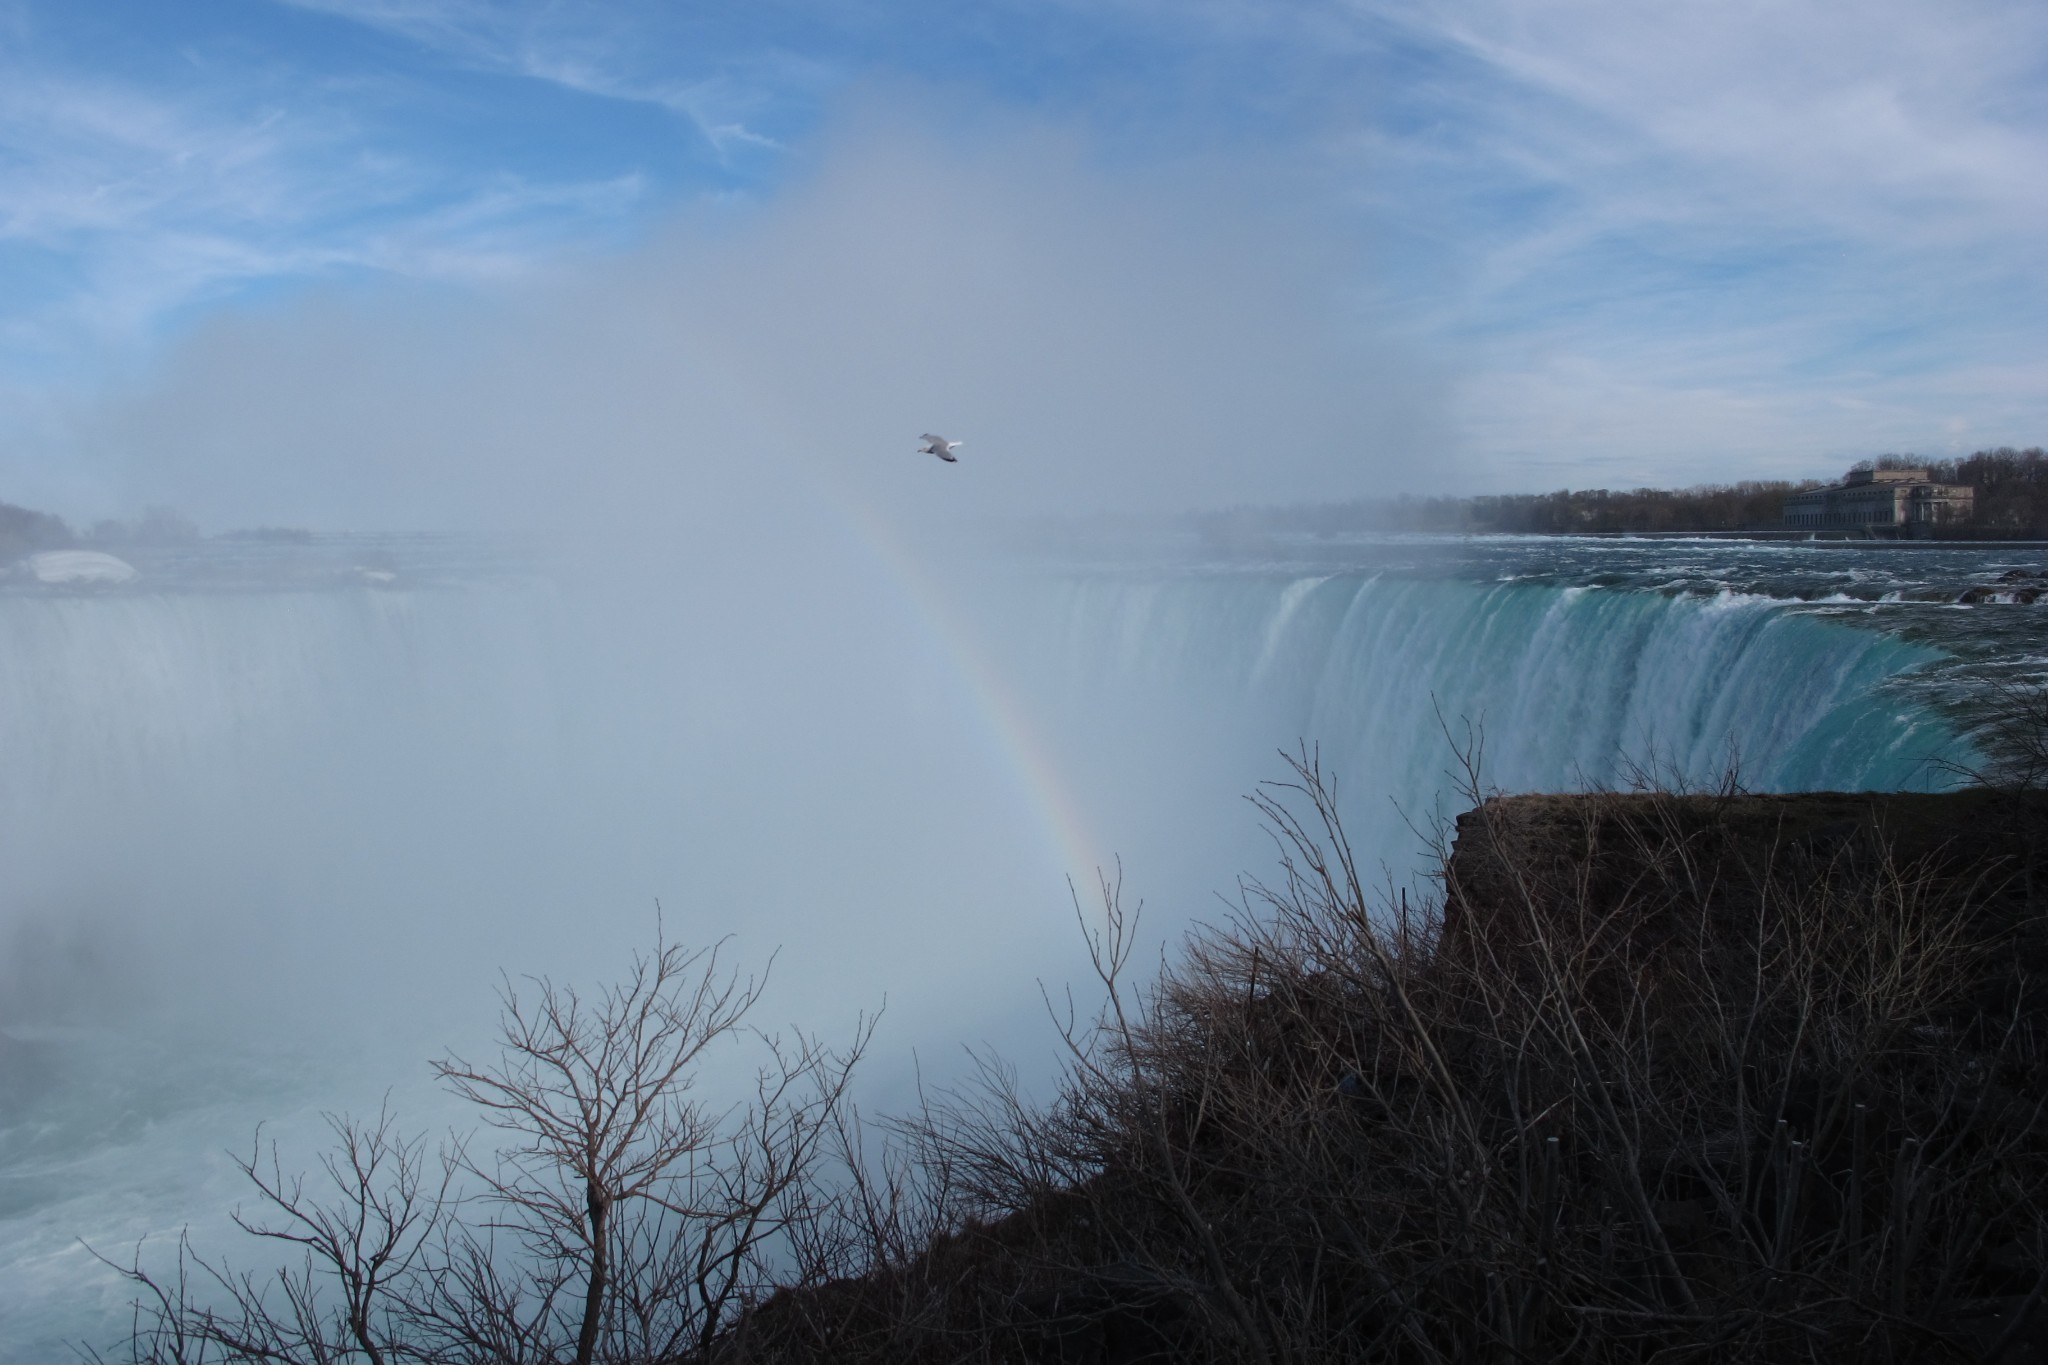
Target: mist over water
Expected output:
[272,833]
[268,847]
[273,820]
[274,828]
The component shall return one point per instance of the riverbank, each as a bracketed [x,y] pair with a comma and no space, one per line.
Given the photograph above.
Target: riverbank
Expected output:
[1848,539]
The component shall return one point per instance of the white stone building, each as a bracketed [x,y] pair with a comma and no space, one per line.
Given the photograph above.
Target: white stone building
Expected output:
[1871,498]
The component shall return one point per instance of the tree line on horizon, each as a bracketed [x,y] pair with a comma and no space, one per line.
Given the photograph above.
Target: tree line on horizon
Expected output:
[2012,501]
[2012,488]
[24,531]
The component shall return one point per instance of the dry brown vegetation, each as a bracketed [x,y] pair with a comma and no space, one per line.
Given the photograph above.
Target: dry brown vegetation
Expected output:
[1669,1077]
[1660,1077]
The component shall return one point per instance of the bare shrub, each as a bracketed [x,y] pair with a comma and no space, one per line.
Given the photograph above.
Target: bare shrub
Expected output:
[2012,736]
[1709,1077]
[622,1217]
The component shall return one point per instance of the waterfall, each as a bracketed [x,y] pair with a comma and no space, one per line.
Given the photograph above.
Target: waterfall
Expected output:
[1567,682]
[1385,676]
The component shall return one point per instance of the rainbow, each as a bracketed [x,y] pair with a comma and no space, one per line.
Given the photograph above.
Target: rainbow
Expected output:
[1043,787]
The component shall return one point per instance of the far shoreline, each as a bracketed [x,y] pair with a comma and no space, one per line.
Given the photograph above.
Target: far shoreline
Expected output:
[1834,540]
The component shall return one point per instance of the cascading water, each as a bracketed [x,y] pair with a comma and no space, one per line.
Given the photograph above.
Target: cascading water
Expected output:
[1387,676]
[1568,683]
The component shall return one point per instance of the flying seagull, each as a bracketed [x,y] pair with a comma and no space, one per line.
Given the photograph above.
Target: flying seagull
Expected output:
[939,446]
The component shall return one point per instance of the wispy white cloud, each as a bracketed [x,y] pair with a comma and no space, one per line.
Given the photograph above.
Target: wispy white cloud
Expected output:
[1776,202]
[624,52]
[136,201]
[1917,119]
[132,192]
[1770,231]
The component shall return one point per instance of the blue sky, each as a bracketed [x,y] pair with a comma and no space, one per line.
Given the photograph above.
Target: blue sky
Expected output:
[1573,241]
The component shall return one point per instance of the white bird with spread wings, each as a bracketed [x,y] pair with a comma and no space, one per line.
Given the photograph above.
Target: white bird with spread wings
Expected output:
[939,446]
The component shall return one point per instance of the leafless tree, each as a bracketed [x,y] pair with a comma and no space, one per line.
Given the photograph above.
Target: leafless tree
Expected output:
[2012,736]
[362,1237]
[621,1217]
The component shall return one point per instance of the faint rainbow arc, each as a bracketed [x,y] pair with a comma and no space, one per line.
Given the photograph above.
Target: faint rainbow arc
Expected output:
[1044,786]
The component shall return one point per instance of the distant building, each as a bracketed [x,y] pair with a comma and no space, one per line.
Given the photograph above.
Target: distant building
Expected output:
[1868,498]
